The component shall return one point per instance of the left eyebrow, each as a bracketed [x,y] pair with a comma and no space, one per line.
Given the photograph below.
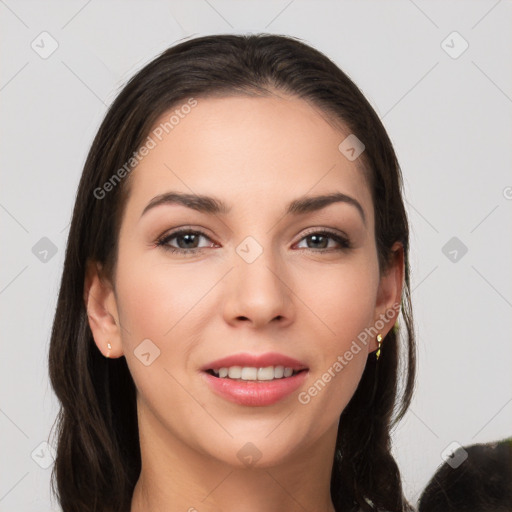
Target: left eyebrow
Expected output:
[211,205]
[200,203]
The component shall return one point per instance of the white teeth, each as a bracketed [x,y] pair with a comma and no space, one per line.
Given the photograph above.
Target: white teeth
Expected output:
[266,373]
[278,372]
[249,373]
[235,372]
[252,373]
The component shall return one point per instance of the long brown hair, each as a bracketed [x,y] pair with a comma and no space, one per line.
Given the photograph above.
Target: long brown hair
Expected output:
[98,457]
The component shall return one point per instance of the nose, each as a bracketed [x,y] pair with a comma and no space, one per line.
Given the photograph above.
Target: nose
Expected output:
[259,293]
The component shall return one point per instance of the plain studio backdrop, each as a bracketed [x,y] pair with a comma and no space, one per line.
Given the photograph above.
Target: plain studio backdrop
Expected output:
[439,74]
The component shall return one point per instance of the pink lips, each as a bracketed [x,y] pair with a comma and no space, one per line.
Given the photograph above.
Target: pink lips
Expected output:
[255,393]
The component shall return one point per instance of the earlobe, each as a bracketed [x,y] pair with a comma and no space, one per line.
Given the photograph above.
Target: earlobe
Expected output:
[100,303]
[389,294]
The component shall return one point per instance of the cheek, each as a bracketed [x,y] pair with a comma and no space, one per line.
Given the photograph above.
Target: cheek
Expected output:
[169,304]
[160,303]
[342,298]
[155,300]
[343,302]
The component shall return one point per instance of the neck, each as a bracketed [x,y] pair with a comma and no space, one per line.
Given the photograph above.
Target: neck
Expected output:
[252,490]
[176,477]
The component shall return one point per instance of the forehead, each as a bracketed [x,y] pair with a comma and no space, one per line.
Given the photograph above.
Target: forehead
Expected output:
[251,150]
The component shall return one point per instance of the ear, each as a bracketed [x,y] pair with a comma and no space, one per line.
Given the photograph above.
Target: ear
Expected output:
[389,295]
[101,306]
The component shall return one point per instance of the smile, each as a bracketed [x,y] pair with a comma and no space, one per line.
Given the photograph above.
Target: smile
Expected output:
[254,374]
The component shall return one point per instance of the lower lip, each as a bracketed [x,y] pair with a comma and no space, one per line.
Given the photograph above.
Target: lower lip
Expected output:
[255,393]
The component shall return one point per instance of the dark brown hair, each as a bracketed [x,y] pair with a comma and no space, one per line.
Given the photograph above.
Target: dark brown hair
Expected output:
[481,481]
[98,454]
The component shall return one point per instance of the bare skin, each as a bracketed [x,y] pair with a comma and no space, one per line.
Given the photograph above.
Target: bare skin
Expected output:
[304,297]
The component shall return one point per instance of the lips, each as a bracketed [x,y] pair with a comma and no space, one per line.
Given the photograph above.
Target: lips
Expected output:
[250,392]
[255,394]
[256,361]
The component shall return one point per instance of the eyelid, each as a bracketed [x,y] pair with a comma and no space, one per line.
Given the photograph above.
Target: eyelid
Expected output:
[182,230]
[330,231]
[338,236]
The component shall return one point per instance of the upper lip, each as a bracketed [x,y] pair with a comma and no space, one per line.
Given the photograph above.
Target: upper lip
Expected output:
[256,361]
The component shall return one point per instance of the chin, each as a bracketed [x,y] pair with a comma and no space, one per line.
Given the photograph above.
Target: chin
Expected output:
[258,451]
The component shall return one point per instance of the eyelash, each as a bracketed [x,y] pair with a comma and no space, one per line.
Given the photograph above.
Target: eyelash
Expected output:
[164,240]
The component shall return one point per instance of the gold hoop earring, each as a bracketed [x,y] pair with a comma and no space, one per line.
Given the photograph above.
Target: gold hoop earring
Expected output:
[109,346]
[379,341]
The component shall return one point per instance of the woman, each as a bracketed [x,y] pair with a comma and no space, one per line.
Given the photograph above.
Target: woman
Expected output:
[237,259]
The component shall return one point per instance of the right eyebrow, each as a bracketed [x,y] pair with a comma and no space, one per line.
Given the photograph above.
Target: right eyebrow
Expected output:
[314,203]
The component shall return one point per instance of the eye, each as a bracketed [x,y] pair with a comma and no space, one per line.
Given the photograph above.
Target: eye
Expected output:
[320,241]
[187,240]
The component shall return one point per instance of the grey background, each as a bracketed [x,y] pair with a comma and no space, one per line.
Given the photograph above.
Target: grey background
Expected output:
[449,119]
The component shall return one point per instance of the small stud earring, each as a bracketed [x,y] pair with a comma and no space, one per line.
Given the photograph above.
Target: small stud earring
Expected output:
[109,346]
[379,341]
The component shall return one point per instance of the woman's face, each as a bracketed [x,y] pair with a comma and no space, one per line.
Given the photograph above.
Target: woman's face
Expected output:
[254,279]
